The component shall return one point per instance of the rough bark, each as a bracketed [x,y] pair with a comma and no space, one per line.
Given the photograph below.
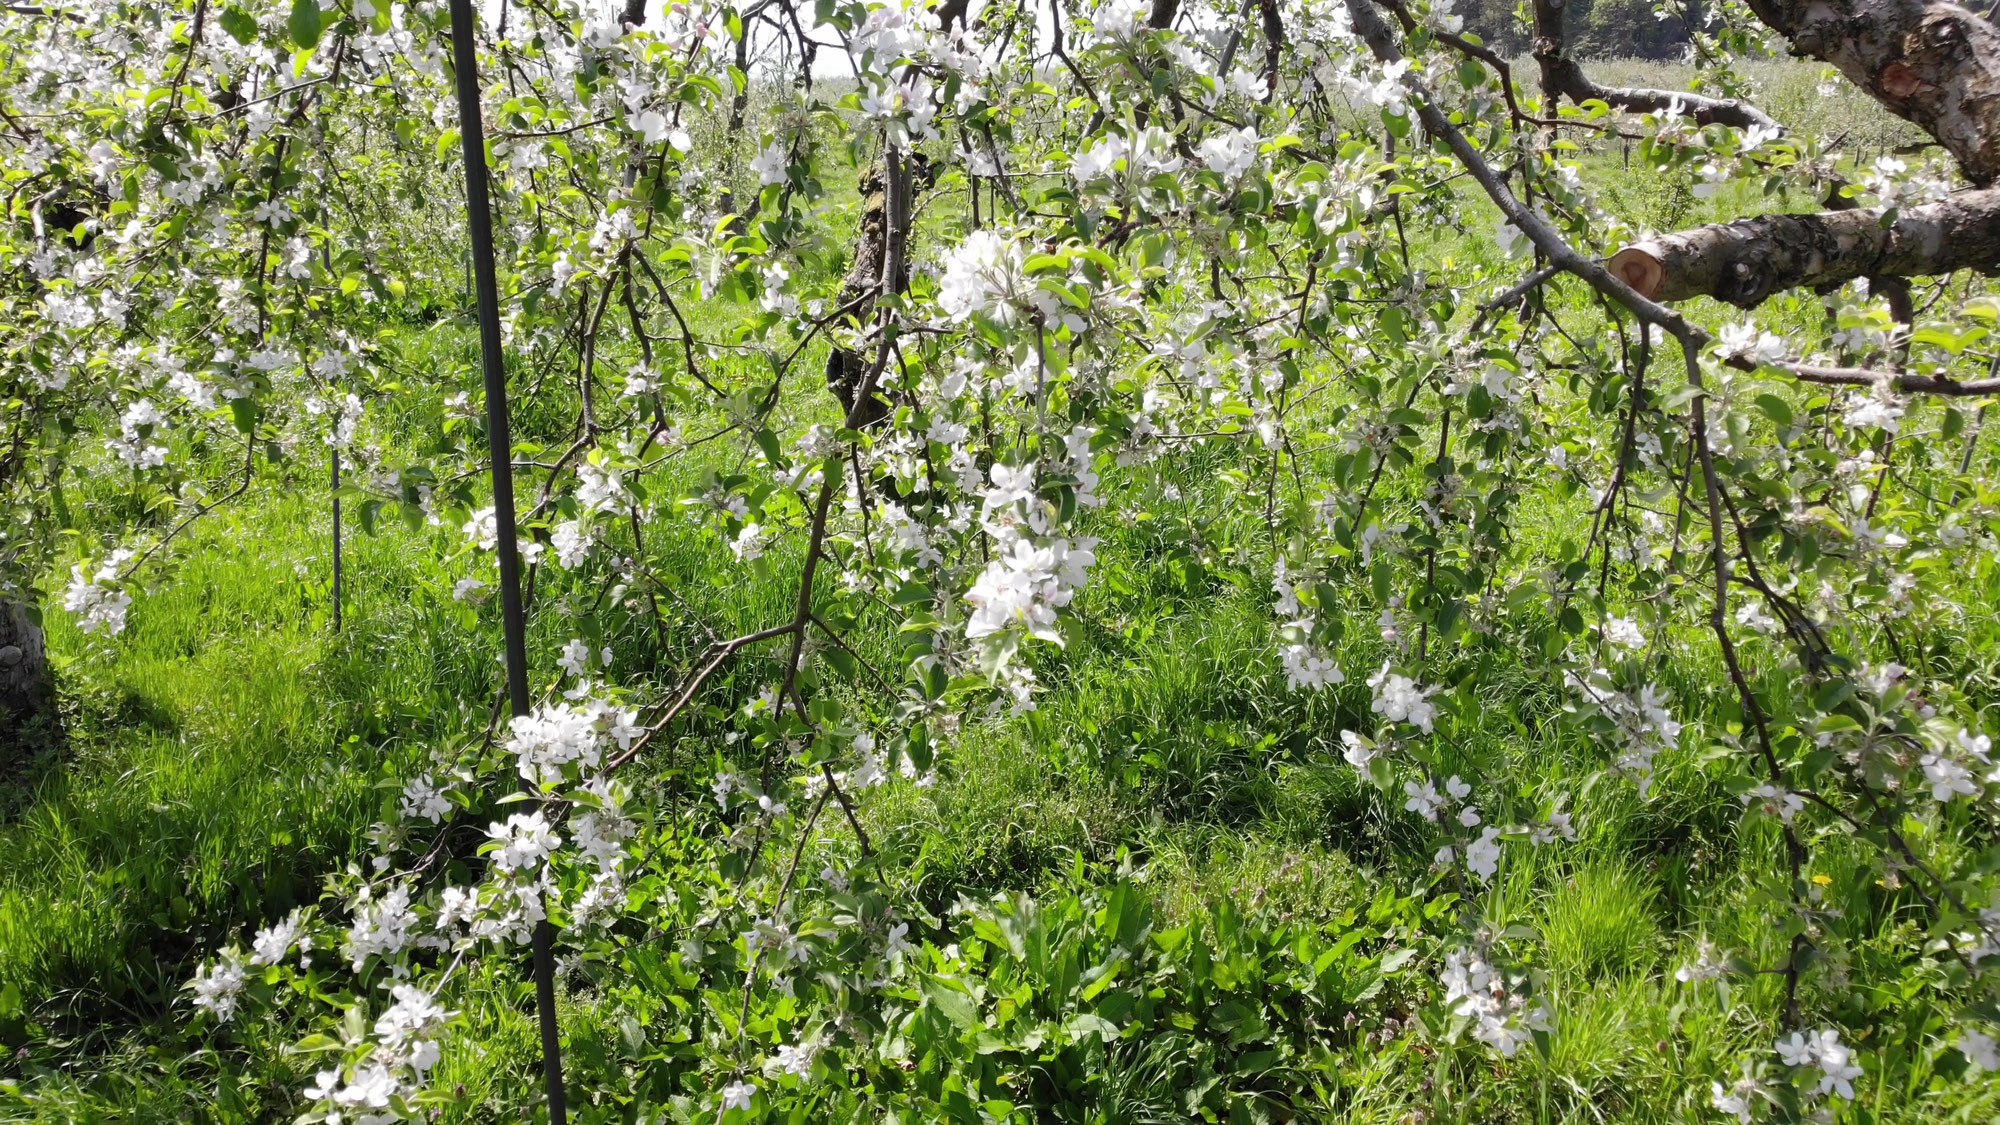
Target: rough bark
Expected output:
[1274,44]
[1933,64]
[1748,260]
[27,693]
[1563,78]
[879,246]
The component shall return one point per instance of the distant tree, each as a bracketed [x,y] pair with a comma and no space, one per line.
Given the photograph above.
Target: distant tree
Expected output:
[1629,29]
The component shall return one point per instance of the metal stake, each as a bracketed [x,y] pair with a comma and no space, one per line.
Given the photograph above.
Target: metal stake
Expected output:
[336,537]
[500,442]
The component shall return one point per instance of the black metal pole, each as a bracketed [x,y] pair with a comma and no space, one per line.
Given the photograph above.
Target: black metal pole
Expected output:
[500,443]
[336,533]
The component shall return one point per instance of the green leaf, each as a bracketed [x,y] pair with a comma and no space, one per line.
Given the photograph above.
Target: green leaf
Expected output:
[1954,423]
[240,25]
[956,1006]
[1090,1023]
[304,23]
[1776,409]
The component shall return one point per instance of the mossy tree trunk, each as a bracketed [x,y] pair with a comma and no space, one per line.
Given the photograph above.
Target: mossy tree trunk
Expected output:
[27,693]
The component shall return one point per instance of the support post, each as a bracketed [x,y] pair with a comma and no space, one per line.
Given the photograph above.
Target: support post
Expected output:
[336,539]
[499,441]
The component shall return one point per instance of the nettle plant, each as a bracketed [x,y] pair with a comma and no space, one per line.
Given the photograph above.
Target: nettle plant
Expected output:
[1094,238]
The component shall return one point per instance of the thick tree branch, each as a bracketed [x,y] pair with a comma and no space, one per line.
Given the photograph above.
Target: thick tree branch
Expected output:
[1563,78]
[1748,260]
[1546,239]
[1930,63]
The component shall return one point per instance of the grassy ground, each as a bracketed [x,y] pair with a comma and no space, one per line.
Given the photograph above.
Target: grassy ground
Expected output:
[229,749]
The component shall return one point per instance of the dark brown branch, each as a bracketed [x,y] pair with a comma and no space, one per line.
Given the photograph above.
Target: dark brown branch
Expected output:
[1911,384]
[1563,78]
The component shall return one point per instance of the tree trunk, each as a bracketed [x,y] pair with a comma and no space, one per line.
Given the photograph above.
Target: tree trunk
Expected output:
[1746,261]
[27,693]
[880,264]
[1933,64]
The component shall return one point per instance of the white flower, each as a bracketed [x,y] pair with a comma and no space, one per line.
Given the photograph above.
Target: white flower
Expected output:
[524,840]
[483,529]
[1732,1100]
[1824,1050]
[598,488]
[407,1028]
[1308,669]
[1400,700]
[551,738]
[1476,992]
[1025,585]
[371,1087]
[1713,177]
[324,1083]
[1879,678]
[99,606]
[1623,632]
[1559,823]
[273,943]
[1744,340]
[1948,780]
[1360,751]
[1424,799]
[770,165]
[796,1060]
[575,658]
[1514,242]
[737,1095]
[136,426]
[1482,856]
[466,589]
[1979,1050]
[1875,413]
[982,274]
[750,542]
[1011,484]
[1230,154]
[1707,965]
[1779,802]
[572,540]
[1643,724]
[422,798]
[1115,21]
[217,987]
[381,926]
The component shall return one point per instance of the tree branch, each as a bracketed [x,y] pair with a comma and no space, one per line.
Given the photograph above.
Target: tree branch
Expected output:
[1545,238]
[1562,77]
[1933,64]
[1748,260]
